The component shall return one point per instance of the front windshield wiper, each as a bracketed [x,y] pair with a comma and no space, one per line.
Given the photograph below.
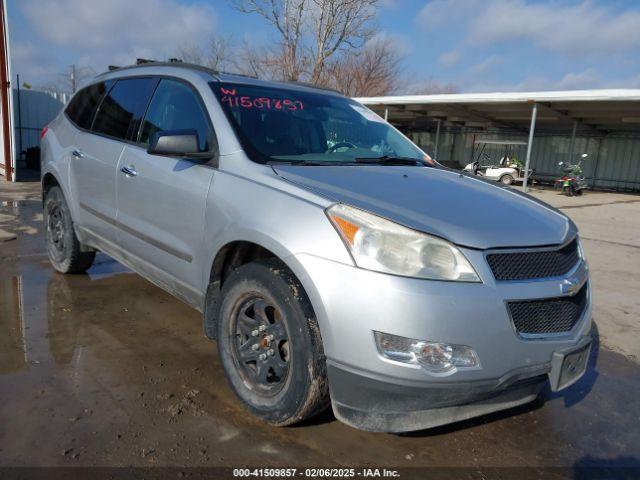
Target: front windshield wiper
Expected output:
[390,160]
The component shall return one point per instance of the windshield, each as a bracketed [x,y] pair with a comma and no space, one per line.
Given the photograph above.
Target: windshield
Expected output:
[289,125]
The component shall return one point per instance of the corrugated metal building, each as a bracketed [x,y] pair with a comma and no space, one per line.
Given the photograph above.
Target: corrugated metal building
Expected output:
[32,110]
[603,123]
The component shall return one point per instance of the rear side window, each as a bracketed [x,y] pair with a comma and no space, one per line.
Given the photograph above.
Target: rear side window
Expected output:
[175,106]
[122,109]
[84,104]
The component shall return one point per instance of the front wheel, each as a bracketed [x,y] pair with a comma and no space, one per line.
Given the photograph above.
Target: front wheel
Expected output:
[270,345]
[66,253]
[568,191]
[506,179]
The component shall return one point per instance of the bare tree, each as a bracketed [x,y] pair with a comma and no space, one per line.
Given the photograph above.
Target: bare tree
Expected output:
[373,71]
[220,53]
[312,32]
[338,25]
[69,80]
[288,18]
[216,55]
[190,54]
[261,62]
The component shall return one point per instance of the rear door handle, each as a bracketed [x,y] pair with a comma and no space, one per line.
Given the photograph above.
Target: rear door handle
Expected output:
[77,153]
[129,171]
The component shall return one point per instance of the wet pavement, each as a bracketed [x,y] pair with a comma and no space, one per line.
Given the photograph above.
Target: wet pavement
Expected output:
[107,369]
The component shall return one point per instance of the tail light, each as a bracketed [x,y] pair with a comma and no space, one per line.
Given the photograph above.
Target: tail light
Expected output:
[43,132]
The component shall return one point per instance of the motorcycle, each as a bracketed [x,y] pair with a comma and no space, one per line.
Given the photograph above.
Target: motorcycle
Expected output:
[572,180]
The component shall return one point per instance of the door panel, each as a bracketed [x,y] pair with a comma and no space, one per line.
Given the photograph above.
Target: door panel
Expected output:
[93,170]
[161,213]
[95,158]
[161,200]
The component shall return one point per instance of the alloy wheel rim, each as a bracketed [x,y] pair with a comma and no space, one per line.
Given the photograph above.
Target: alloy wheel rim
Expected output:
[55,228]
[260,345]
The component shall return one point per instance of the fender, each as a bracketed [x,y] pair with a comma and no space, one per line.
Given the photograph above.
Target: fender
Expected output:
[212,296]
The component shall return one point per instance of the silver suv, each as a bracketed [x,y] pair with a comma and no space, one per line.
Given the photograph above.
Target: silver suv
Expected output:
[333,261]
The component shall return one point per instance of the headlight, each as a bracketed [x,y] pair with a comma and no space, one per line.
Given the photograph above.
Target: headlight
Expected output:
[434,357]
[381,245]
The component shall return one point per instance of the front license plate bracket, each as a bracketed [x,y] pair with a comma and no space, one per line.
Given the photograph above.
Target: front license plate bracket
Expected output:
[567,367]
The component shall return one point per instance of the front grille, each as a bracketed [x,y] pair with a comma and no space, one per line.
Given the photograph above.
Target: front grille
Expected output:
[529,265]
[549,315]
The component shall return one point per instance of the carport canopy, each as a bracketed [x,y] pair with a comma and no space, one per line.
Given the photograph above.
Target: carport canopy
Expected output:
[590,111]
[594,112]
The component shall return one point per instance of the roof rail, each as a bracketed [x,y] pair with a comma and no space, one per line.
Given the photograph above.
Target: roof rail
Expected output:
[176,62]
[172,62]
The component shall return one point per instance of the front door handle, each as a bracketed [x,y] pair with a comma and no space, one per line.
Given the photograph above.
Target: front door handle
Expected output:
[77,153]
[129,171]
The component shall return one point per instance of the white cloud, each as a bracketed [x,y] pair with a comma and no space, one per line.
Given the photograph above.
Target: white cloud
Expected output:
[568,28]
[31,62]
[487,65]
[118,31]
[579,80]
[449,59]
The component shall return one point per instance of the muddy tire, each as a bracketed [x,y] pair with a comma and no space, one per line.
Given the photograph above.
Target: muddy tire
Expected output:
[506,179]
[66,253]
[270,345]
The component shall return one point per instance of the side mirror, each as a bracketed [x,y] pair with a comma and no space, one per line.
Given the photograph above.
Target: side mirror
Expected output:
[177,143]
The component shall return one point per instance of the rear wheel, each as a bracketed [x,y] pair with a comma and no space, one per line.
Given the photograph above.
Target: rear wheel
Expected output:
[66,253]
[269,344]
[506,179]
[568,191]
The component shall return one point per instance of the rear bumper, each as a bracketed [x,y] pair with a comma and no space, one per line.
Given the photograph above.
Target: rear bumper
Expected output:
[374,403]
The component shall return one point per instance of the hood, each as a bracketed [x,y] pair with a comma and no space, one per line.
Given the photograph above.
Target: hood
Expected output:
[462,209]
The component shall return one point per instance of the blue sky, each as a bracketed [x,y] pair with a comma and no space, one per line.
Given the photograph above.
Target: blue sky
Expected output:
[476,45]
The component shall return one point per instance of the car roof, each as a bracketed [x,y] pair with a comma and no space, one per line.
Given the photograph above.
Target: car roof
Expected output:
[157,68]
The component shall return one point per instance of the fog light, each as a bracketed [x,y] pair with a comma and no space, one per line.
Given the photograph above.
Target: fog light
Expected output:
[434,357]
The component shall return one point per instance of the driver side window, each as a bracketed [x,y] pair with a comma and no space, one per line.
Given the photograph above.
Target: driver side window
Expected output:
[175,107]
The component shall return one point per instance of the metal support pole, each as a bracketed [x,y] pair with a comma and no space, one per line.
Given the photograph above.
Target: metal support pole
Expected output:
[19,157]
[595,168]
[573,141]
[435,148]
[386,113]
[532,130]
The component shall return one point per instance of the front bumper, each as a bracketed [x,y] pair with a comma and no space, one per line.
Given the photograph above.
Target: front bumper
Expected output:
[375,393]
[383,405]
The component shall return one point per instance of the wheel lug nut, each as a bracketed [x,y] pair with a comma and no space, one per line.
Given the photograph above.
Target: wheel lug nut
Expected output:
[254,333]
[255,346]
[270,337]
[262,328]
[262,356]
[270,352]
